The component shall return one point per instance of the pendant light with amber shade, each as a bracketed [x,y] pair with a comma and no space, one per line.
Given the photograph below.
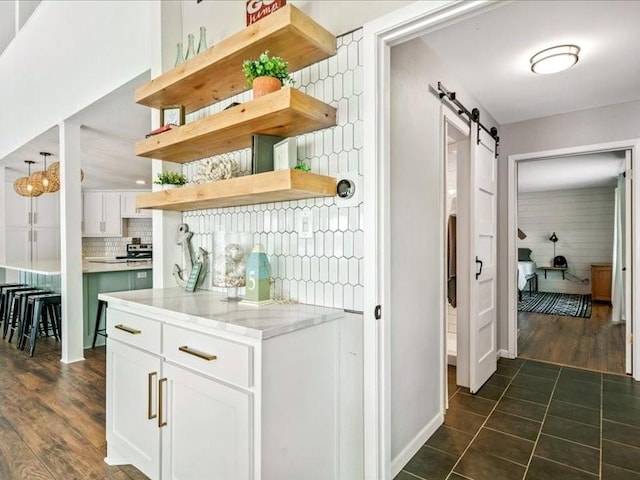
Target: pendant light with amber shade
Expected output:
[25,187]
[53,173]
[44,179]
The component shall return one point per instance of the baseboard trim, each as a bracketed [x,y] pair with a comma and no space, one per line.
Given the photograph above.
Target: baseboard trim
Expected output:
[504,353]
[414,445]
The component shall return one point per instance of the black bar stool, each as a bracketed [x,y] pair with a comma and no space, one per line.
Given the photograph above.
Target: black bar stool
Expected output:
[8,295]
[43,306]
[102,309]
[18,313]
[3,307]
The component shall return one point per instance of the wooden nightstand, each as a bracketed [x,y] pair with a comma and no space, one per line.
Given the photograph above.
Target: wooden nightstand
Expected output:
[601,282]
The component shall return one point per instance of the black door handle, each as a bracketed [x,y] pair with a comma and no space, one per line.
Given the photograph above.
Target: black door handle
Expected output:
[478,273]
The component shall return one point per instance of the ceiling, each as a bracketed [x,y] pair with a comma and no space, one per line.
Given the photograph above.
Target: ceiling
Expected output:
[110,128]
[7,24]
[490,54]
[564,173]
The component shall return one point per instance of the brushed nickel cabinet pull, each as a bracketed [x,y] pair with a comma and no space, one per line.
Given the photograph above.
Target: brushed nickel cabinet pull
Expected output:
[162,422]
[124,328]
[150,413]
[197,353]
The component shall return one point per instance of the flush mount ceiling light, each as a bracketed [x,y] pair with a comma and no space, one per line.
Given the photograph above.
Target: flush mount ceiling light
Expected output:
[555,59]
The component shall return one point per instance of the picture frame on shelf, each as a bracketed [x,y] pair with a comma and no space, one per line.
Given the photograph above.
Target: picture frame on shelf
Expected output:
[262,152]
[285,154]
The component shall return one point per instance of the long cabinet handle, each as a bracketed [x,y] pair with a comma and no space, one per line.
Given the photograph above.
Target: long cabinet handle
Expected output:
[124,328]
[150,413]
[197,353]
[162,422]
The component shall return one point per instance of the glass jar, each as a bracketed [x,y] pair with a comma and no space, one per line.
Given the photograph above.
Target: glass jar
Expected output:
[230,253]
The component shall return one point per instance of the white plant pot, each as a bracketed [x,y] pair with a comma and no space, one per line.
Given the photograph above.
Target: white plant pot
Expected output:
[169,186]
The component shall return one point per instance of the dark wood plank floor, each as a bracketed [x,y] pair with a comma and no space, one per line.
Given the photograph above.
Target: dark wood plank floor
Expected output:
[591,343]
[52,416]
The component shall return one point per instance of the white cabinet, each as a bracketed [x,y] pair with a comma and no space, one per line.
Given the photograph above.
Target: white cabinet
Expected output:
[101,214]
[132,417]
[208,421]
[32,226]
[46,211]
[128,204]
[42,211]
[45,244]
[228,407]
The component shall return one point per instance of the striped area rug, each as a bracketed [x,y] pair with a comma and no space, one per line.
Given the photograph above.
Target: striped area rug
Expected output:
[565,304]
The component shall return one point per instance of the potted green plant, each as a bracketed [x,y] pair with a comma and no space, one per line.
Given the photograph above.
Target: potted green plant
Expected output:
[170,180]
[266,74]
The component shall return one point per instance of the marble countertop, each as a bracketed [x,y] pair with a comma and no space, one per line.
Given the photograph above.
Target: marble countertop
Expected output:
[204,311]
[52,267]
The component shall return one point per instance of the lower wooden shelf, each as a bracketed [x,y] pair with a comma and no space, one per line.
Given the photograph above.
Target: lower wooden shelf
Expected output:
[278,186]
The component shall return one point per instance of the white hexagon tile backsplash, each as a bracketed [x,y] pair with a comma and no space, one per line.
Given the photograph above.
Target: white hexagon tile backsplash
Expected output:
[327,269]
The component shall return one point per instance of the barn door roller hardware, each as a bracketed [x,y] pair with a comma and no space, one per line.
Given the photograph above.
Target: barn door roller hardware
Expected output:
[473,115]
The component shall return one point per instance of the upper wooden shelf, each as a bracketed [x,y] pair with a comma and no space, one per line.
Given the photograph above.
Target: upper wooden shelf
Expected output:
[216,73]
[278,186]
[286,113]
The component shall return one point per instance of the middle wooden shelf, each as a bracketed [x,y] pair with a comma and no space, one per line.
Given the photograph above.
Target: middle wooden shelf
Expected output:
[278,186]
[285,113]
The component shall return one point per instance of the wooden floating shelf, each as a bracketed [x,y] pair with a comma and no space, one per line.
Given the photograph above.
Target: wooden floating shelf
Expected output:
[286,113]
[216,73]
[278,186]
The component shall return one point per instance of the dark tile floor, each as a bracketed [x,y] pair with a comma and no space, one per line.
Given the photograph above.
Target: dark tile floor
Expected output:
[536,421]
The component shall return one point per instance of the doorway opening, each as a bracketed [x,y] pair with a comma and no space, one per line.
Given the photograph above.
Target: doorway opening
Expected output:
[572,241]
[622,261]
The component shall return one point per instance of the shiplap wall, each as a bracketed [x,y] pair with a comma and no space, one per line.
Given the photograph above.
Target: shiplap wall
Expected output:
[583,222]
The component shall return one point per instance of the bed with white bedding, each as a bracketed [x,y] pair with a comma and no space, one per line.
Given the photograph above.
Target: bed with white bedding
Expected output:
[526,271]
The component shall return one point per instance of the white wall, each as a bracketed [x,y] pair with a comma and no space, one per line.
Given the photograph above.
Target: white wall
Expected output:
[68,55]
[223,18]
[585,127]
[583,222]
[417,242]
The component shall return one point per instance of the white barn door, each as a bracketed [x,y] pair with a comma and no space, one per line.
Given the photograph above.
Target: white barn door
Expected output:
[483,230]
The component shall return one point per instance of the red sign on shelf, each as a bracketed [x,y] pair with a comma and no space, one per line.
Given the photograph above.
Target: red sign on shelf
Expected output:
[257,9]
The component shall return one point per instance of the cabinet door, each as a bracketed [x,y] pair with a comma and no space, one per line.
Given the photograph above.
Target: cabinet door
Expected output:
[92,214]
[18,244]
[129,210]
[46,211]
[17,208]
[133,437]
[112,219]
[46,244]
[208,432]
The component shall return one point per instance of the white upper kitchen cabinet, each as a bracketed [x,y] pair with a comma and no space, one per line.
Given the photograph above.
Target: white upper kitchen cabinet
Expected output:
[46,211]
[128,206]
[42,211]
[101,215]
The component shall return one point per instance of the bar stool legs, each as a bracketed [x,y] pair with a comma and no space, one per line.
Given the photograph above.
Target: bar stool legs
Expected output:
[102,305]
[43,306]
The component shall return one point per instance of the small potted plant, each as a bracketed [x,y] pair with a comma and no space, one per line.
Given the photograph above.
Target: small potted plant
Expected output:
[266,74]
[170,180]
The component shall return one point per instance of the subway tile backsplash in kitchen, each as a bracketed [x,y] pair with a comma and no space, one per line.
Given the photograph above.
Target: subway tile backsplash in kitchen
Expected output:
[114,246]
[327,269]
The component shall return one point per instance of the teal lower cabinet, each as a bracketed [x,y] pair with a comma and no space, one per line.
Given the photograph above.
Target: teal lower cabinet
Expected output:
[105,282]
